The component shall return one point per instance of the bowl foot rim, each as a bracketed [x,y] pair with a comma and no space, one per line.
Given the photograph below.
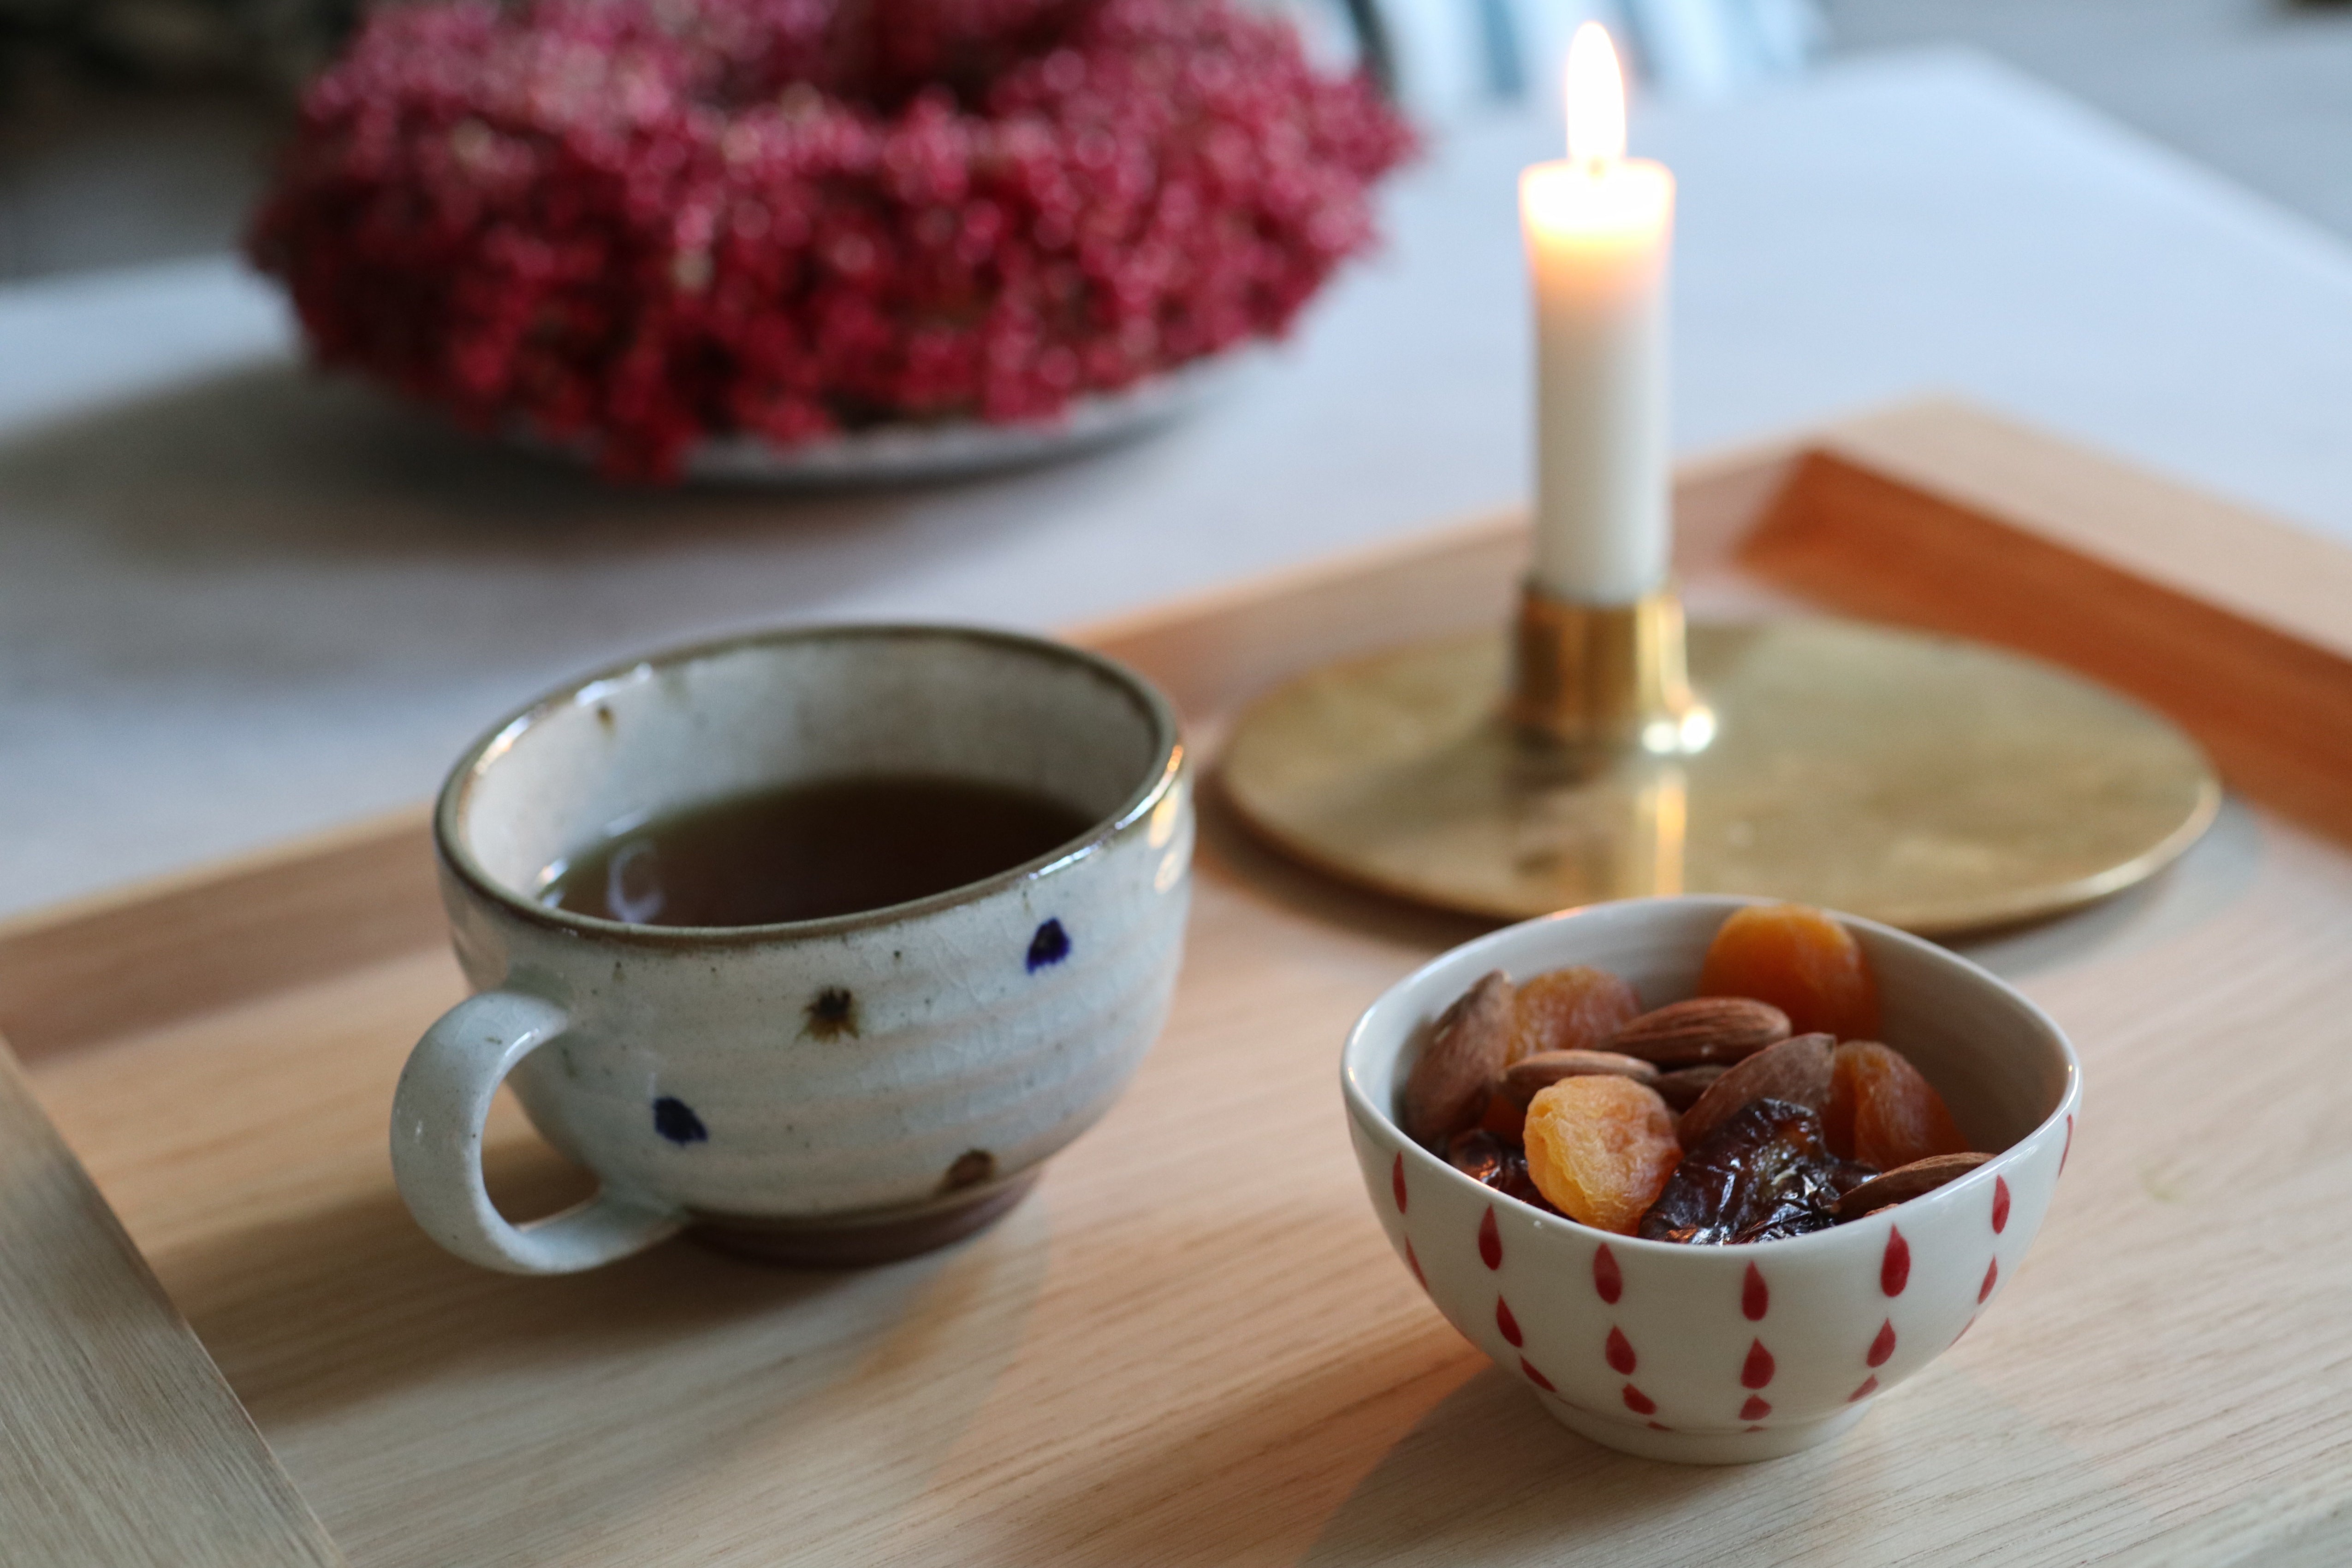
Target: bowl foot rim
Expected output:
[1773,1441]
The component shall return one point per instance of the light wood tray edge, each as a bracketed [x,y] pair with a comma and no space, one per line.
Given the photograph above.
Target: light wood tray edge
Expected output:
[127,1446]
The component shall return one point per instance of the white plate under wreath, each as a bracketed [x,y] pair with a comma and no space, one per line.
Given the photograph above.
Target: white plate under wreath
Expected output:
[891,454]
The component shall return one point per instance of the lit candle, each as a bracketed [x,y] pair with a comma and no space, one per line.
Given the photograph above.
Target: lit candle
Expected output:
[1599,227]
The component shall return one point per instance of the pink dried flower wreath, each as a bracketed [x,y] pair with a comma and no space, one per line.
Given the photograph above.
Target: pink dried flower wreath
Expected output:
[636,225]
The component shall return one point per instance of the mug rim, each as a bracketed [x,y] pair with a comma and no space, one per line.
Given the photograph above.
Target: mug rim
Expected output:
[1356,1051]
[476,759]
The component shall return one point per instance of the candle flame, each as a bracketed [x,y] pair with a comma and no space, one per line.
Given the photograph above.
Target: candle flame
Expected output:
[1596,96]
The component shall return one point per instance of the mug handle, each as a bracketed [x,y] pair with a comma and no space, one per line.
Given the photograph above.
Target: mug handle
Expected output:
[436,1148]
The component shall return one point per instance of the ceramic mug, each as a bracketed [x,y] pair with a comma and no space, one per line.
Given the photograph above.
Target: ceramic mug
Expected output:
[829,1092]
[1722,1354]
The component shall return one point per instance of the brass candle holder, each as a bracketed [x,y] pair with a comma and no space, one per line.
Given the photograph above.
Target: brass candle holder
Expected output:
[1610,751]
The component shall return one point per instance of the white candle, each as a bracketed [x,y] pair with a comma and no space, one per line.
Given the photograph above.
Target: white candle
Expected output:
[1599,227]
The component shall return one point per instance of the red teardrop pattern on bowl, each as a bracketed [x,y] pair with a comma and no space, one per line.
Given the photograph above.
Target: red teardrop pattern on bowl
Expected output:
[1999,1204]
[1755,1301]
[1606,1280]
[1894,1268]
[1396,1180]
[2069,1146]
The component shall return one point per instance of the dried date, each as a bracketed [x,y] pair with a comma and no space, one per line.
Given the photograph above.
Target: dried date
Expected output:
[1764,1173]
[1484,1158]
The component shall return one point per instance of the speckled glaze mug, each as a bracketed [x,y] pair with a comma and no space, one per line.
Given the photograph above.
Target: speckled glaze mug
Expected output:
[826,1091]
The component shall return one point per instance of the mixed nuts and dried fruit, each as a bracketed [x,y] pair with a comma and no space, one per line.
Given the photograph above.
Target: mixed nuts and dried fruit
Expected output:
[1759,1109]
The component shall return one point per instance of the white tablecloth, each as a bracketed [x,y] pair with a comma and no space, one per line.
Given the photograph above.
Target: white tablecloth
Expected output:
[237,602]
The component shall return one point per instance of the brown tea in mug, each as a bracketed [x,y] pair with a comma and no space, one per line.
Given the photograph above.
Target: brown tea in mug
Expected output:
[804,851]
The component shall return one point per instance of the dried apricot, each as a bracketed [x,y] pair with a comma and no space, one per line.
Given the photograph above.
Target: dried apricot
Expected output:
[1572,1009]
[1882,1111]
[1601,1149]
[1799,959]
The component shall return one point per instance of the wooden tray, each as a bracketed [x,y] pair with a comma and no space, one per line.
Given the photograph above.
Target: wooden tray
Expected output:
[1193,1346]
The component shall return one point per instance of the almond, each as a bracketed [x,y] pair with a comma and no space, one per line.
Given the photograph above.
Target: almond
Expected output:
[1524,1078]
[1903,1183]
[1795,1070]
[1702,1030]
[1457,1069]
[1682,1086]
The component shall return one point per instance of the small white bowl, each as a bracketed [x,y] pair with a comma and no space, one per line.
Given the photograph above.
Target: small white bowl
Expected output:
[1722,1354]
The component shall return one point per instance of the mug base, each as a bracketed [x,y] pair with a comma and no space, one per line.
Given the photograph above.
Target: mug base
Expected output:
[1770,1442]
[858,1240]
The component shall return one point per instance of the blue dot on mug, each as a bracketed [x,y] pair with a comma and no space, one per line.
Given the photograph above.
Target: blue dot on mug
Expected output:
[675,1120]
[1050,945]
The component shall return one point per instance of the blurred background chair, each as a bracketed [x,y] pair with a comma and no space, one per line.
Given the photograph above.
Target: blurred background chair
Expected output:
[1446,58]
[135,131]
